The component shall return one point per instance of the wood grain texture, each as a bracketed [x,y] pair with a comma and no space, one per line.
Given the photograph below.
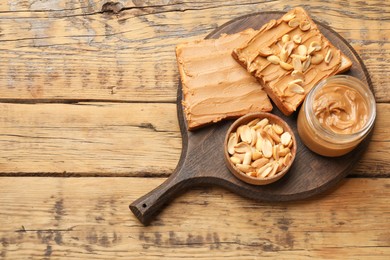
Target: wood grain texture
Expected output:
[74,219]
[115,139]
[125,50]
[62,52]
[89,139]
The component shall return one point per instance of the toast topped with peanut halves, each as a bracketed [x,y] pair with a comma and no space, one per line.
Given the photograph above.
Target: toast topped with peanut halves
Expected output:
[289,56]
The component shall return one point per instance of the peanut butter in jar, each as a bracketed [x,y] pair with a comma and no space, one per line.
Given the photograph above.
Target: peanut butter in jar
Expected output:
[336,116]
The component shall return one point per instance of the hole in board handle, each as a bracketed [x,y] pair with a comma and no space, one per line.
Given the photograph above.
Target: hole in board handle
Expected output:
[144,205]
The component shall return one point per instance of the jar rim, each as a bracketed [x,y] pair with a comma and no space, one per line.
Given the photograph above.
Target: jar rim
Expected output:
[359,86]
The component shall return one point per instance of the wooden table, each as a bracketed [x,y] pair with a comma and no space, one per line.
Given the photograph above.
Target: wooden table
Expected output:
[88,124]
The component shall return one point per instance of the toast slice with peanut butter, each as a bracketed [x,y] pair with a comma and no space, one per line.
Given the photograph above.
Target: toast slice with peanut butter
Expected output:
[289,56]
[214,85]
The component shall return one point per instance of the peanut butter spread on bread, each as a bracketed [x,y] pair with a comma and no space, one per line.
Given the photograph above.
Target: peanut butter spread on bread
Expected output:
[214,85]
[289,56]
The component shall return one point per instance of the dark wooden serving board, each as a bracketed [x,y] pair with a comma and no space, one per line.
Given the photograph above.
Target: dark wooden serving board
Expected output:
[202,158]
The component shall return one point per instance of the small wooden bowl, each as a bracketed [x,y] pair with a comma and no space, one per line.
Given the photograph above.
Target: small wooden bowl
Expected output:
[273,119]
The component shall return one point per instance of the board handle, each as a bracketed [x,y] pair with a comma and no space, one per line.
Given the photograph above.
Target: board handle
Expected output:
[147,206]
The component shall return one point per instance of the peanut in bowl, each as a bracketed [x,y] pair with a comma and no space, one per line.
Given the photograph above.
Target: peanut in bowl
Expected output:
[259,148]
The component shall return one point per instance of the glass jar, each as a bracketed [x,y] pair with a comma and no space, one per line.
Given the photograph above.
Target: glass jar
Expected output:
[312,128]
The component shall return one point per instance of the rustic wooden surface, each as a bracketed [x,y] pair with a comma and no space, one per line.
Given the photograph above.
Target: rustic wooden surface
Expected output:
[88,88]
